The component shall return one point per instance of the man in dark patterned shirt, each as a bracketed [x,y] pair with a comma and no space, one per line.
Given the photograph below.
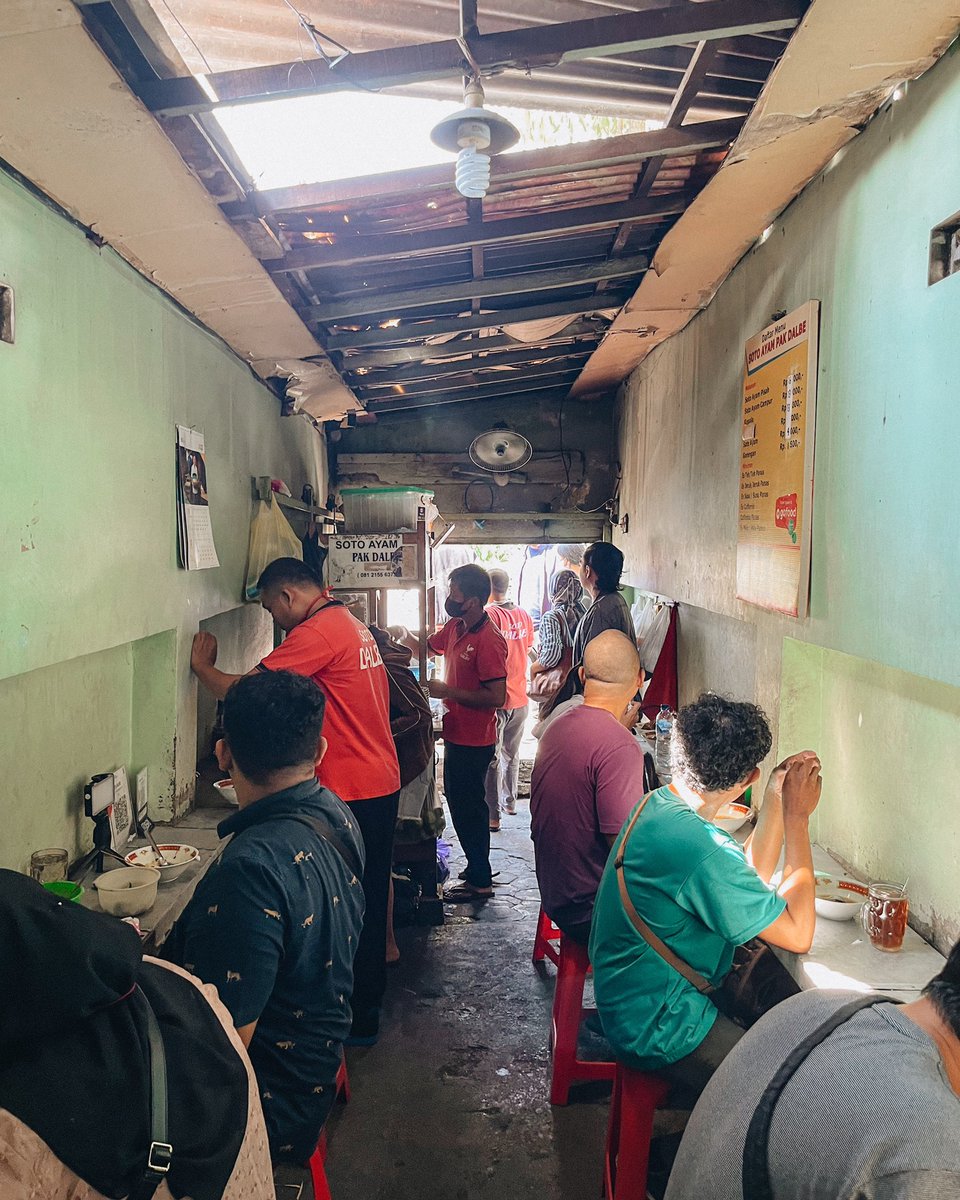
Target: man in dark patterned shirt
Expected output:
[275,921]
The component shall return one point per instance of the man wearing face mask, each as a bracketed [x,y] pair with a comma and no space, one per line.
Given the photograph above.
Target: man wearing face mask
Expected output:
[474,688]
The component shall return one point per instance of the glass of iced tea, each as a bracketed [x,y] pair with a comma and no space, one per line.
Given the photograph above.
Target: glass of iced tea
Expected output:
[884,916]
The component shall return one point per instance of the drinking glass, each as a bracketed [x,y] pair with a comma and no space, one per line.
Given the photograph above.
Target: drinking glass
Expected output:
[884,916]
[50,865]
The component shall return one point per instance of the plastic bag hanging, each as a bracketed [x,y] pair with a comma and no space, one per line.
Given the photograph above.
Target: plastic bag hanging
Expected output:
[271,537]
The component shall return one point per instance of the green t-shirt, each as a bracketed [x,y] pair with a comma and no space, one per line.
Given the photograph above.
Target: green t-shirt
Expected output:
[693,886]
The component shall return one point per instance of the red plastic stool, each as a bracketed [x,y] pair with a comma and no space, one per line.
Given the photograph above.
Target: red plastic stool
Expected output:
[547,934]
[636,1095]
[568,1011]
[343,1083]
[321,1189]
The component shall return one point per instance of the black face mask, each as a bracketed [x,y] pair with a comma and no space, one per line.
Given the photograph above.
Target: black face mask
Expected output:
[454,607]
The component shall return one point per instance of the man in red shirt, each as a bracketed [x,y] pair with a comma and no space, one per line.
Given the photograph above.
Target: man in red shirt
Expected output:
[329,645]
[474,688]
[516,625]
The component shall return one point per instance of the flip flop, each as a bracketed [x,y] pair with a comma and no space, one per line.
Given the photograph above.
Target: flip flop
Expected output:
[467,894]
[493,874]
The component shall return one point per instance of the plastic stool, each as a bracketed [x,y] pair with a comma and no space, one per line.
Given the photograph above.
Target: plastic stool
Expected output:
[547,934]
[343,1083]
[321,1189]
[636,1096]
[568,1011]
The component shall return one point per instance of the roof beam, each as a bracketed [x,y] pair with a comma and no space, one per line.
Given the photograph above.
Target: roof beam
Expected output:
[403,355]
[469,377]
[404,402]
[516,49]
[627,148]
[358,249]
[469,363]
[341,308]
[368,338]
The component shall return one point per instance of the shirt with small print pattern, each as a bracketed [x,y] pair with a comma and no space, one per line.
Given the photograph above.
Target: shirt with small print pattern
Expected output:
[273,925]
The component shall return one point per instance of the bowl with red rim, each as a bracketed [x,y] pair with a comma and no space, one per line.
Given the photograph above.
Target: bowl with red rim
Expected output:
[838,898]
[177,858]
[730,817]
[227,791]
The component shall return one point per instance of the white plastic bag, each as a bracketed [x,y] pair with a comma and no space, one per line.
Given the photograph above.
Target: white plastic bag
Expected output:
[270,537]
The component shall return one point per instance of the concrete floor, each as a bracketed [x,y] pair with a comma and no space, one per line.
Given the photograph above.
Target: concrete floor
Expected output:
[452,1103]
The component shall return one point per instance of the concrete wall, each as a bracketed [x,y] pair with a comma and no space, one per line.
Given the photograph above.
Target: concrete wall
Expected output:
[96,618]
[872,677]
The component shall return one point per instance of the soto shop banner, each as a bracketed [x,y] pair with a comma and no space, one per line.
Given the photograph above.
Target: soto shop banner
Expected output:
[372,560]
[776,463]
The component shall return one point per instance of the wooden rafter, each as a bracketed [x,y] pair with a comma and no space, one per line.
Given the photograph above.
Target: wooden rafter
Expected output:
[518,49]
[539,388]
[359,249]
[416,372]
[369,338]
[601,154]
[339,308]
[403,355]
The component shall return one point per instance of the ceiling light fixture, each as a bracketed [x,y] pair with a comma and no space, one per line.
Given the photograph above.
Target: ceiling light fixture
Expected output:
[474,134]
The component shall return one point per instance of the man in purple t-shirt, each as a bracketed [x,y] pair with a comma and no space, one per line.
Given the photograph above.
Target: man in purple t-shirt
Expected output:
[587,777]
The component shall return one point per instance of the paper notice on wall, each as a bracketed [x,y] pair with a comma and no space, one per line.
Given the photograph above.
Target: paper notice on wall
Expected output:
[195,533]
[776,463]
[373,560]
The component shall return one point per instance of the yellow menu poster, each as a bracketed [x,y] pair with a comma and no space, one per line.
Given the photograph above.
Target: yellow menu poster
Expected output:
[776,463]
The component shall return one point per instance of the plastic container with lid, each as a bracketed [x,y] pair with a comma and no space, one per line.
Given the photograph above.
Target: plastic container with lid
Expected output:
[384,509]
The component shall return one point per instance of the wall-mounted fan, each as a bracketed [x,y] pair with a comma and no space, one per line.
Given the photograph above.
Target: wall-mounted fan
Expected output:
[500,450]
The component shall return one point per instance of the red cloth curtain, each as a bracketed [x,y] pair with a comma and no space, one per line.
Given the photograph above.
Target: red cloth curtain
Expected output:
[664,686]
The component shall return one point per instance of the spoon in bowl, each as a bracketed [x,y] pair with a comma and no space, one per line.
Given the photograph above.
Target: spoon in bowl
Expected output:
[157,851]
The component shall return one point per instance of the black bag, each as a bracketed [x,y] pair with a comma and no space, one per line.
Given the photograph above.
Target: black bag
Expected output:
[756,982]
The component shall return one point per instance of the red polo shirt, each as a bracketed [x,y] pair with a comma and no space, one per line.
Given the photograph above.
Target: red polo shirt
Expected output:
[341,657]
[473,656]
[516,625]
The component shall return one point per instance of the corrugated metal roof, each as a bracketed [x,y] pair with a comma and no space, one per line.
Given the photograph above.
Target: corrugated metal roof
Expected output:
[211,36]
[419,296]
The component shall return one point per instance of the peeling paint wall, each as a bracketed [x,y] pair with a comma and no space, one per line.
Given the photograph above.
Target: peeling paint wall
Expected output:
[872,677]
[96,618]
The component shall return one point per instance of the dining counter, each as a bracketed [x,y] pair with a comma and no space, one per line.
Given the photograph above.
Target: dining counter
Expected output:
[198,828]
[843,957]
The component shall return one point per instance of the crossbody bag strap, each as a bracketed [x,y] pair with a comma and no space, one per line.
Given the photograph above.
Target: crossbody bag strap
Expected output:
[160,1154]
[655,943]
[323,829]
[756,1150]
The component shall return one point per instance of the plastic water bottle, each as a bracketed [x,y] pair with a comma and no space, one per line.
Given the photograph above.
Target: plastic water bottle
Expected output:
[664,743]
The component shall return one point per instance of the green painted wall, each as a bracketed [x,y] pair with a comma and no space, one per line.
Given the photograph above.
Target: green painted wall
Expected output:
[879,641]
[96,618]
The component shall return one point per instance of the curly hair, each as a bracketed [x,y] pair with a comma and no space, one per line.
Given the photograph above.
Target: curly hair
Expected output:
[717,742]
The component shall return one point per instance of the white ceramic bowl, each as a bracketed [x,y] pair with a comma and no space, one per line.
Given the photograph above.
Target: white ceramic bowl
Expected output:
[838,899]
[127,891]
[731,817]
[226,789]
[178,857]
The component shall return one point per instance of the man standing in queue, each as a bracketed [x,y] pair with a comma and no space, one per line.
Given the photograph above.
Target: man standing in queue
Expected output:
[475,687]
[329,645]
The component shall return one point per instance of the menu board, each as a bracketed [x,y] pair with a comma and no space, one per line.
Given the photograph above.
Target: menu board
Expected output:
[776,463]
